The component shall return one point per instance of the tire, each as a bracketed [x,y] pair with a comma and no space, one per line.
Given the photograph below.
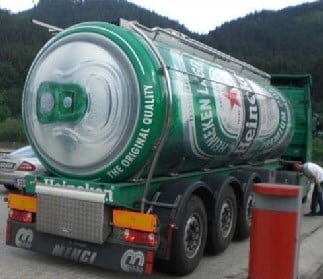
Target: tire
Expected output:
[245,216]
[221,229]
[10,187]
[190,238]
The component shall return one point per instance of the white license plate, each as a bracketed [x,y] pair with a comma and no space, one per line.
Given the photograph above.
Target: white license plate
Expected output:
[20,183]
[6,165]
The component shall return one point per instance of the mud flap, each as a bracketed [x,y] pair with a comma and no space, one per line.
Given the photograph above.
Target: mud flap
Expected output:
[113,256]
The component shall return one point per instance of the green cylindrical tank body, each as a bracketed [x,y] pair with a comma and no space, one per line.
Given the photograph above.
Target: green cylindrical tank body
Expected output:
[98,99]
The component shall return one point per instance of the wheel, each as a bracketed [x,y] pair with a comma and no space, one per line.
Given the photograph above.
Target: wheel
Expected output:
[190,237]
[10,187]
[221,228]
[245,216]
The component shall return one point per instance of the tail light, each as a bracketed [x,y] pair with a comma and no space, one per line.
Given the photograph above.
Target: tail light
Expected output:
[139,237]
[26,166]
[20,215]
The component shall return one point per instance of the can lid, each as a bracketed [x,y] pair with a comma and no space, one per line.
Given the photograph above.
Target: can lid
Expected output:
[81,103]
[282,190]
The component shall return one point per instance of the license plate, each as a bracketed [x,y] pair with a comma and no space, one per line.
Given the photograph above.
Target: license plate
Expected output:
[6,165]
[20,183]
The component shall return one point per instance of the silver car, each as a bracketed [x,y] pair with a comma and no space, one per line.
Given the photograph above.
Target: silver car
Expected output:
[16,165]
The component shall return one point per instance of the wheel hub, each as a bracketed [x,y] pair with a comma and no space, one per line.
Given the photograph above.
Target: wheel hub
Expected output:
[193,235]
[226,218]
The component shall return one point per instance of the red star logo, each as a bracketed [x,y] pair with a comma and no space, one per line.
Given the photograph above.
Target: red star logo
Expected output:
[232,96]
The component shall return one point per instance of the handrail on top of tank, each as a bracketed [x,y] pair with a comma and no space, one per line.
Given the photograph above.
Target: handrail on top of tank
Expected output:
[182,41]
[159,146]
[51,28]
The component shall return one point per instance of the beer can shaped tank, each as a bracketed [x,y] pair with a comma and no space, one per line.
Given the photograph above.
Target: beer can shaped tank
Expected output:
[95,107]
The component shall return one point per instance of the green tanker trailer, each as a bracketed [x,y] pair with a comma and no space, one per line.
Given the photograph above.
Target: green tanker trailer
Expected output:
[154,141]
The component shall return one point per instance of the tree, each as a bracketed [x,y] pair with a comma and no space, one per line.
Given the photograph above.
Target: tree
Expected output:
[4,109]
[12,130]
[8,76]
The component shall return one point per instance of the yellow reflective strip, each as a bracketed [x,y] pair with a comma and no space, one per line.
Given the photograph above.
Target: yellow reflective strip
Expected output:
[135,220]
[21,202]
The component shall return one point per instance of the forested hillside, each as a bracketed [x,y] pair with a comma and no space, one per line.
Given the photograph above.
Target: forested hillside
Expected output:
[21,40]
[287,41]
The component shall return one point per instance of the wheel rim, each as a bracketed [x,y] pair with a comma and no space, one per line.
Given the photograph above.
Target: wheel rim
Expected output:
[226,217]
[193,235]
[249,206]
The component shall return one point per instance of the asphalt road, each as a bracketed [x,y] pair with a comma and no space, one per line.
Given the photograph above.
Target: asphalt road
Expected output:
[232,264]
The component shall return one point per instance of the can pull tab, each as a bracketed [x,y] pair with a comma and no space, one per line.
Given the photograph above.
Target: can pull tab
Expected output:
[58,102]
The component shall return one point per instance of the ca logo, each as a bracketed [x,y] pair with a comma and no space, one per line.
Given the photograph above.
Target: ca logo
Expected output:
[24,238]
[132,261]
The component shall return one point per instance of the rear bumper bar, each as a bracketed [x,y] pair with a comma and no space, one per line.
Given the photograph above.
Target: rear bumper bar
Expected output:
[113,256]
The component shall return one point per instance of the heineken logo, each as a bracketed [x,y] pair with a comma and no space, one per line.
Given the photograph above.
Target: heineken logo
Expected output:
[251,124]
[206,139]
[232,96]
[282,129]
[222,114]
[279,135]
[209,135]
[82,186]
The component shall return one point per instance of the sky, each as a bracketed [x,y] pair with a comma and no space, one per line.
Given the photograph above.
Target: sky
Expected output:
[197,15]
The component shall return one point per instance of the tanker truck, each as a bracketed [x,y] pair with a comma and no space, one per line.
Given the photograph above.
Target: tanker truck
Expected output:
[153,141]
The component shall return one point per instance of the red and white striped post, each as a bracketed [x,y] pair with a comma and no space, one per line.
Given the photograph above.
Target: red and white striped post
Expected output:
[274,241]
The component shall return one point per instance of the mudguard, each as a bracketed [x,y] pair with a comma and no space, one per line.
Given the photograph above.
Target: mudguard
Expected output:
[217,184]
[246,179]
[173,196]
